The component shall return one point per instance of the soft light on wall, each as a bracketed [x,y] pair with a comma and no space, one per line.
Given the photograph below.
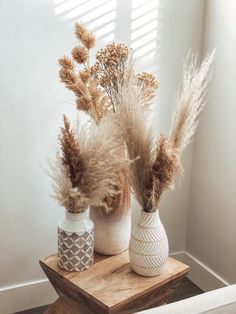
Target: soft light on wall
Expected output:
[137,25]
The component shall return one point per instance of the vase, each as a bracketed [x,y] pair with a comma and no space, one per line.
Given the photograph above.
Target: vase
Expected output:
[75,241]
[112,229]
[148,248]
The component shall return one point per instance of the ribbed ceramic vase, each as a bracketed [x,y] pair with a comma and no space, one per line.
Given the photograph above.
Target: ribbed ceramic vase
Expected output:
[148,248]
[75,241]
[112,230]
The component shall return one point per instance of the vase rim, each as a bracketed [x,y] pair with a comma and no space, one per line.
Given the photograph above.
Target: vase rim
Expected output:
[153,213]
[71,213]
[76,216]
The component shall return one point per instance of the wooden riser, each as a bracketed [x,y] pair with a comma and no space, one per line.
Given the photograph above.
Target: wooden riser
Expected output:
[110,286]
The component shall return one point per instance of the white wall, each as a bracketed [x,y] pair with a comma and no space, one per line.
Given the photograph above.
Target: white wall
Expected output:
[181,27]
[211,231]
[34,34]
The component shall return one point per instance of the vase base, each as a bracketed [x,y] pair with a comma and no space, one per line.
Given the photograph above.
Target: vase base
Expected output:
[146,271]
[109,253]
[69,267]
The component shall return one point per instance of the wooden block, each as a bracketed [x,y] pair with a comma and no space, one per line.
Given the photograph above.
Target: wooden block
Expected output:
[110,286]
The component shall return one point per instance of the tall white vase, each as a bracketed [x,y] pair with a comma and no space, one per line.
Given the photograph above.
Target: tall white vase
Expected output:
[148,248]
[112,231]
[75,241]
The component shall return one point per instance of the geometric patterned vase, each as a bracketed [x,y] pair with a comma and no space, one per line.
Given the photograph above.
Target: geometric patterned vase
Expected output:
[75,251]
[75,242]
[148,248]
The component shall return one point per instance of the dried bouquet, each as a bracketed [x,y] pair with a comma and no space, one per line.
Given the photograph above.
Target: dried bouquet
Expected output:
[86,170]
[112,86]
[157,165]
[95,86]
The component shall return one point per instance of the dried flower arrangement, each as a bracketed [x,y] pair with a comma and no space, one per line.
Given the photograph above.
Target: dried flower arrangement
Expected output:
[157,166]
[86,170]
[95,86]
[92,168]
[111,85]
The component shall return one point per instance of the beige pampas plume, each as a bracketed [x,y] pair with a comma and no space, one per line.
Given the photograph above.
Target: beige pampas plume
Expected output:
[157,166]
[190,101]
[137,132]
[87,169]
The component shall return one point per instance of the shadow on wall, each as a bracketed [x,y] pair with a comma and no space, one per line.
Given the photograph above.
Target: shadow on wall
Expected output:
[135,21]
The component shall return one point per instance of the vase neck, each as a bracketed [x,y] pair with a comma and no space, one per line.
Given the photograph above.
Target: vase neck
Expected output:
[149,219]
[76,216]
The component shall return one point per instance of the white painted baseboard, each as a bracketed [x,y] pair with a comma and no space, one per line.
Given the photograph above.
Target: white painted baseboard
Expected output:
[38,293]
[25,296]
[200,274]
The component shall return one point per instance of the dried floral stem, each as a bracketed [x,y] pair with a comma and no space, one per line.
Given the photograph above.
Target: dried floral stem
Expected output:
[155,170]
[137,133]
[190,101]
[71,156]
[95,87]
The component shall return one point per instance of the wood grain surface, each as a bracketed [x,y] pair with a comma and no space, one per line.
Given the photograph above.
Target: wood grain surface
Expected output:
[110,286]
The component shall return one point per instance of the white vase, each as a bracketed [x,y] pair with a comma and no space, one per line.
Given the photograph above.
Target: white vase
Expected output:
[75,241]
[148,248]
[112,231]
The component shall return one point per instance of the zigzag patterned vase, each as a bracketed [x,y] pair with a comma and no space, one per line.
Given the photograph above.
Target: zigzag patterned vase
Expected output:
[75,242]
[148,248]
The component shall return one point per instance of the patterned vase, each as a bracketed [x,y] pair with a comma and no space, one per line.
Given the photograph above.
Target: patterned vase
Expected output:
[75,242]
[112,230]
[148,248]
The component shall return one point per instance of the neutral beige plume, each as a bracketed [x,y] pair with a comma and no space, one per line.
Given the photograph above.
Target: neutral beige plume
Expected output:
[88,169]
[191,100]
[156,166]
[137,133]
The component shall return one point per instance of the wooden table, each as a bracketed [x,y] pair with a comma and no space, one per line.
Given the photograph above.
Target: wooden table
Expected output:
[110,286]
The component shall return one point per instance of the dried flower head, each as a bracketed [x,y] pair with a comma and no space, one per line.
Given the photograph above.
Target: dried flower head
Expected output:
[84,75]
[89,95]
[91,99]
[83,103]
[109,67]
[166,165]
[67,71]
[80,54]
[71,155]
[149,86]
[148,80]
[86,37]
[166,168]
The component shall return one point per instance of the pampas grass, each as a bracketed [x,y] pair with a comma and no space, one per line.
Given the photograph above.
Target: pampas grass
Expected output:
[190,101]
[87,169]
[111,85]
[137,132]
[157,165]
